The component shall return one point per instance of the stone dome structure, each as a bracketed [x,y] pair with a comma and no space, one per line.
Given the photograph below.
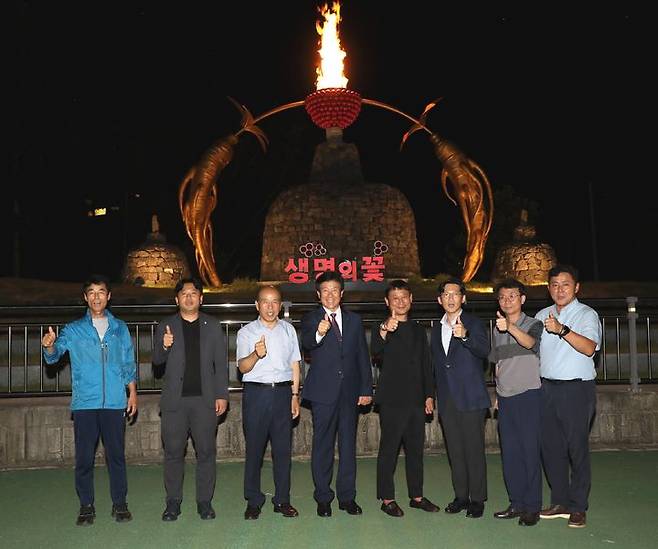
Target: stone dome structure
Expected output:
[155,263]
[337,215]
[524,258]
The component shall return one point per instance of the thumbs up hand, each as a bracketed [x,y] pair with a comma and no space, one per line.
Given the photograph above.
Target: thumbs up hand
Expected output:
[459,330]
[48,339]
[168,339]
[501,322]
[324,326]
[260,348]
[391,323]
[552,325]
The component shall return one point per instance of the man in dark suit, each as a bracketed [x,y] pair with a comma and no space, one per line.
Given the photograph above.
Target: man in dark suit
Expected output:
[459,346]
[339,380]
[194,395]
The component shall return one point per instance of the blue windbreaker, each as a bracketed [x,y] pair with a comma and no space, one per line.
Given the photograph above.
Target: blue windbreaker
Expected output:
[100,370]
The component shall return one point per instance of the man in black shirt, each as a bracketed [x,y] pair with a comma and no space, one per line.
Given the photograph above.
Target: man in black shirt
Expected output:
[404,396]
[194,395]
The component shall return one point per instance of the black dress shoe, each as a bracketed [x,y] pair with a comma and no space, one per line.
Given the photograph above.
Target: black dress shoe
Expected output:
[285,509]
[251,512]
[456,506]
[424,504]
[528,519]
[86,515]
[508,513]
[120,513]
[351,506]
[392,509]
[324,509]
[172,511]
[205,510]
[475,509]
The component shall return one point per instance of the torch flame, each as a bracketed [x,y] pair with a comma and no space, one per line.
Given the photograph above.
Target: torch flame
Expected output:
[330,71]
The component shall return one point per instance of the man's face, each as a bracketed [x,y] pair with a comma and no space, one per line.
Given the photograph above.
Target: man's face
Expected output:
[451,299]
[563,289]
[97,297]
[510,301]
[268,304]
[189,299]
[330,294]
[399,301]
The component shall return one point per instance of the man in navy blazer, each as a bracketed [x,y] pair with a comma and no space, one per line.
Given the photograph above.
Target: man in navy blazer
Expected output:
[339,379]
[460,345]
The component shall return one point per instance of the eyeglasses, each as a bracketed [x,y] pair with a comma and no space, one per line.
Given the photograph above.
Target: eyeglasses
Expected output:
[511,297]
[446,295]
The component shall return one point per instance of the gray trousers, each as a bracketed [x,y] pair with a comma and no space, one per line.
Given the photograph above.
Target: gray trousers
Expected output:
[193,417]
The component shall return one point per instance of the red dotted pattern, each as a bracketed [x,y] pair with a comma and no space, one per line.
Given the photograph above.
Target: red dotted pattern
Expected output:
[333,107]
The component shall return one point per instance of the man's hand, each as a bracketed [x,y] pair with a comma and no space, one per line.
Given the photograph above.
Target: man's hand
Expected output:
[294,406]
[459,330]
[49,339]
[552,325]
[131,410]
[391,323]
[324,326]
[429,406]
[260,348]
[220,406]
[501,322]
[168,339]
[364,401]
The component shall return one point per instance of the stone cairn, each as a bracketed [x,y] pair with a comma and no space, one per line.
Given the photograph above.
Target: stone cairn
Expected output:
[155,263]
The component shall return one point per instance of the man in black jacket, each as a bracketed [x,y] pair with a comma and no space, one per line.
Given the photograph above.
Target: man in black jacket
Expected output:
[404,396]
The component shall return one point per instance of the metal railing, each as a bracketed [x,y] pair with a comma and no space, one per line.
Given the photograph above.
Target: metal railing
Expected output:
[23,371]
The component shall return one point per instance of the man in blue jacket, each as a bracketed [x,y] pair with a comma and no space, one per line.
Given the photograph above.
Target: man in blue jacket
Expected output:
[102,367]
[339,380]
[460,345]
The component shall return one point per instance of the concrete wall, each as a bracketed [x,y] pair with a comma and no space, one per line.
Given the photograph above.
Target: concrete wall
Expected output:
[38,432]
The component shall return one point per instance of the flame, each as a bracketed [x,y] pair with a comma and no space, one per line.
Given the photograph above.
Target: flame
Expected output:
[330,71]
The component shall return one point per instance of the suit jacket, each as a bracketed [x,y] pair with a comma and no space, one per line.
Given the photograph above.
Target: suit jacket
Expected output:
[460,374]
[333,364]
[214,364]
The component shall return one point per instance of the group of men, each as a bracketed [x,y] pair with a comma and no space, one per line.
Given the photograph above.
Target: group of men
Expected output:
[544,383]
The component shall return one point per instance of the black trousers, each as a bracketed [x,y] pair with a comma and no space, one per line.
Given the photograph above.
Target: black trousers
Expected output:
[519,426]
[198,418]
[110,426]
[400,426]
[464,436]
[266,414]
[567,413]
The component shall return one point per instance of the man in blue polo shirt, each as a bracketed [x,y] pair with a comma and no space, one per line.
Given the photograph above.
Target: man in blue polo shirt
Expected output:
[268,357]
[572,334]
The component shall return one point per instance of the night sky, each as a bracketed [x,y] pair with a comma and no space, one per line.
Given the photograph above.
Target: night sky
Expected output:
[110,104]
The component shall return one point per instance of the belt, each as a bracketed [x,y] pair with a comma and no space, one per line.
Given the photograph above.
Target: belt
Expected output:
[560,381]
[272,384]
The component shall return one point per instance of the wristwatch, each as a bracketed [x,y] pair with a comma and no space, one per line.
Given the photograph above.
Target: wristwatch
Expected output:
[564,331]
[382,327]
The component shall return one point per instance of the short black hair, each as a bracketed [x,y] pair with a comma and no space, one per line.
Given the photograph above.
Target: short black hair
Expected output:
[563,268]
[510,283]
[398,284]
[328,276]
[190,280]
[96,279]
[452,280]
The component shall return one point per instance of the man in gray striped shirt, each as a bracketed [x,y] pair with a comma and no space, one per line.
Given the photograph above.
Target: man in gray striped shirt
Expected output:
[515,352]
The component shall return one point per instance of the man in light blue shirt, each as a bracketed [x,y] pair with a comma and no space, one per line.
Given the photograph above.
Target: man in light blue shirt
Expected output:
[572,334]
[268,358]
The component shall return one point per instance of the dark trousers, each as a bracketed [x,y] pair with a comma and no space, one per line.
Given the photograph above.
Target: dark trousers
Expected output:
[266,413]
[567,413]
[464,436]
[338,418]
[519,426]
[110,426]
[400,426]
[198,418]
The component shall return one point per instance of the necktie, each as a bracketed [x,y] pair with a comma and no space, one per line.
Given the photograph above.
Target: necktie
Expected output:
[339,336]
